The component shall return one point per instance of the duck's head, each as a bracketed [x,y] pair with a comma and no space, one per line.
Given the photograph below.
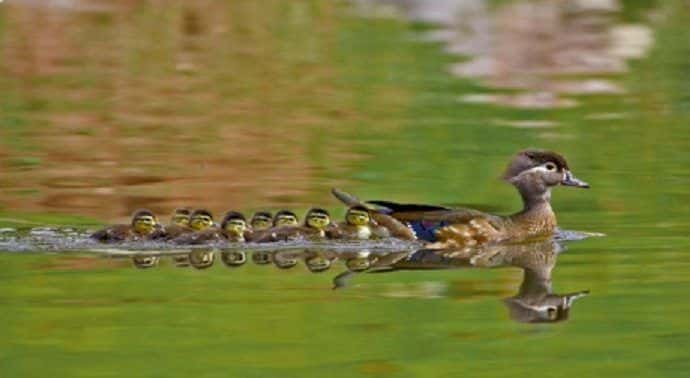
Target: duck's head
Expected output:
[534,172]
[200,219]
[317,218]
[144,222]
[357,216]
[285,218]
[234,224]
[261,220]
[180,216]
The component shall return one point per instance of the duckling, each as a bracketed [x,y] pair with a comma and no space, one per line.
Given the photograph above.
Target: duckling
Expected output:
[261,220]
[532,172]
[233,228]
[179,225]
[201,219]
[144,224]
[285,218]
[357,225]
[315,223]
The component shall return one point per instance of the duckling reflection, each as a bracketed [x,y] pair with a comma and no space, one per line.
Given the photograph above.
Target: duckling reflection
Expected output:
[318,261]
[202,259]
[535,301]
[145,262]
[286,259]
[233,259]
[180,260]
[262,257]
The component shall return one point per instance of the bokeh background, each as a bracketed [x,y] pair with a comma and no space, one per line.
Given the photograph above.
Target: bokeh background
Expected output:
[109,106]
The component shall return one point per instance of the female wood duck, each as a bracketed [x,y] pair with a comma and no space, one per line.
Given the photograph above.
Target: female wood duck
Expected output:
[315,223]
[233,228]
[144,224]
[532,172]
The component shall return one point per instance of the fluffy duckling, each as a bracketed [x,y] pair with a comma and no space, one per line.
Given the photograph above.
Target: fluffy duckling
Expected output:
[261,220]
[144,224]
[315,223]
[285,218]
[179,225]
[357,225]
[233,229]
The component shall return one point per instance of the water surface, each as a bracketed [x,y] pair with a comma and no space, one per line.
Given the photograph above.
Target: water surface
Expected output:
[110,106]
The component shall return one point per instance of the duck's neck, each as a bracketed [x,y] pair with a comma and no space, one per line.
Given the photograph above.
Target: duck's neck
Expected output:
[536,208]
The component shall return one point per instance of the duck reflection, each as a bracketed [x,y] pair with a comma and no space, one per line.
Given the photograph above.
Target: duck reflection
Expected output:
[145,261]
[233,259]
[535,301]
[287,259]
[202,258]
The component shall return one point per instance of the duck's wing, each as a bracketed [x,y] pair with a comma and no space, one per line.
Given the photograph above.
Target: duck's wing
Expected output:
[460,226]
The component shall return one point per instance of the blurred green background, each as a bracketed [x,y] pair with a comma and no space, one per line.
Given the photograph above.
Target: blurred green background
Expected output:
[108,106]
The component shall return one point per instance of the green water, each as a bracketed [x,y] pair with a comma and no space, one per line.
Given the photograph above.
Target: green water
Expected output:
[304,96]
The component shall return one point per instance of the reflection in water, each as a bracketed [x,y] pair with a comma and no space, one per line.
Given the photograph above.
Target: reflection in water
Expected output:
[233,259]
[544,49]
[202,259]
[144,262]
[534,302]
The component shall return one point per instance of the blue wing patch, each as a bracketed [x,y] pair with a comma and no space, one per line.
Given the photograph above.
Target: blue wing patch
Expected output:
[425,230]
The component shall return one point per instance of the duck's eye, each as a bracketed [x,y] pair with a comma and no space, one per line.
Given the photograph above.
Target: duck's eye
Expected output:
[550,166]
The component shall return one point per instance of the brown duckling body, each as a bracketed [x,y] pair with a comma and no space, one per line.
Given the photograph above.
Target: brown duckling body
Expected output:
[232,229]
[200,223]
[179,225]
[143,226]
[532,172]
[315,223]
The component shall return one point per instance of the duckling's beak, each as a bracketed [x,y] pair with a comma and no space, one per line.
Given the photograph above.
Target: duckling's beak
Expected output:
[570,180]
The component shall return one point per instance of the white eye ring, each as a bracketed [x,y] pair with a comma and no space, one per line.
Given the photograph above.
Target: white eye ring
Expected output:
[550,166]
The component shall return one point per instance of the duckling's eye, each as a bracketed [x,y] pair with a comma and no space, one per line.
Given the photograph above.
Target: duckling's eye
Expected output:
[550,166]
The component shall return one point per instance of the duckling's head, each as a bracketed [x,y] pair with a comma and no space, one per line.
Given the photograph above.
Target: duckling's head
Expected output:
[200,219]
[261,220]
[144,222]
[234,224]
[317,218]
[180,216]
[357,216]
[285,218]
[534,172]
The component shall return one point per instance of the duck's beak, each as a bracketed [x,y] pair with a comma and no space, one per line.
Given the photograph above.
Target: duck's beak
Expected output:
[570,180]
